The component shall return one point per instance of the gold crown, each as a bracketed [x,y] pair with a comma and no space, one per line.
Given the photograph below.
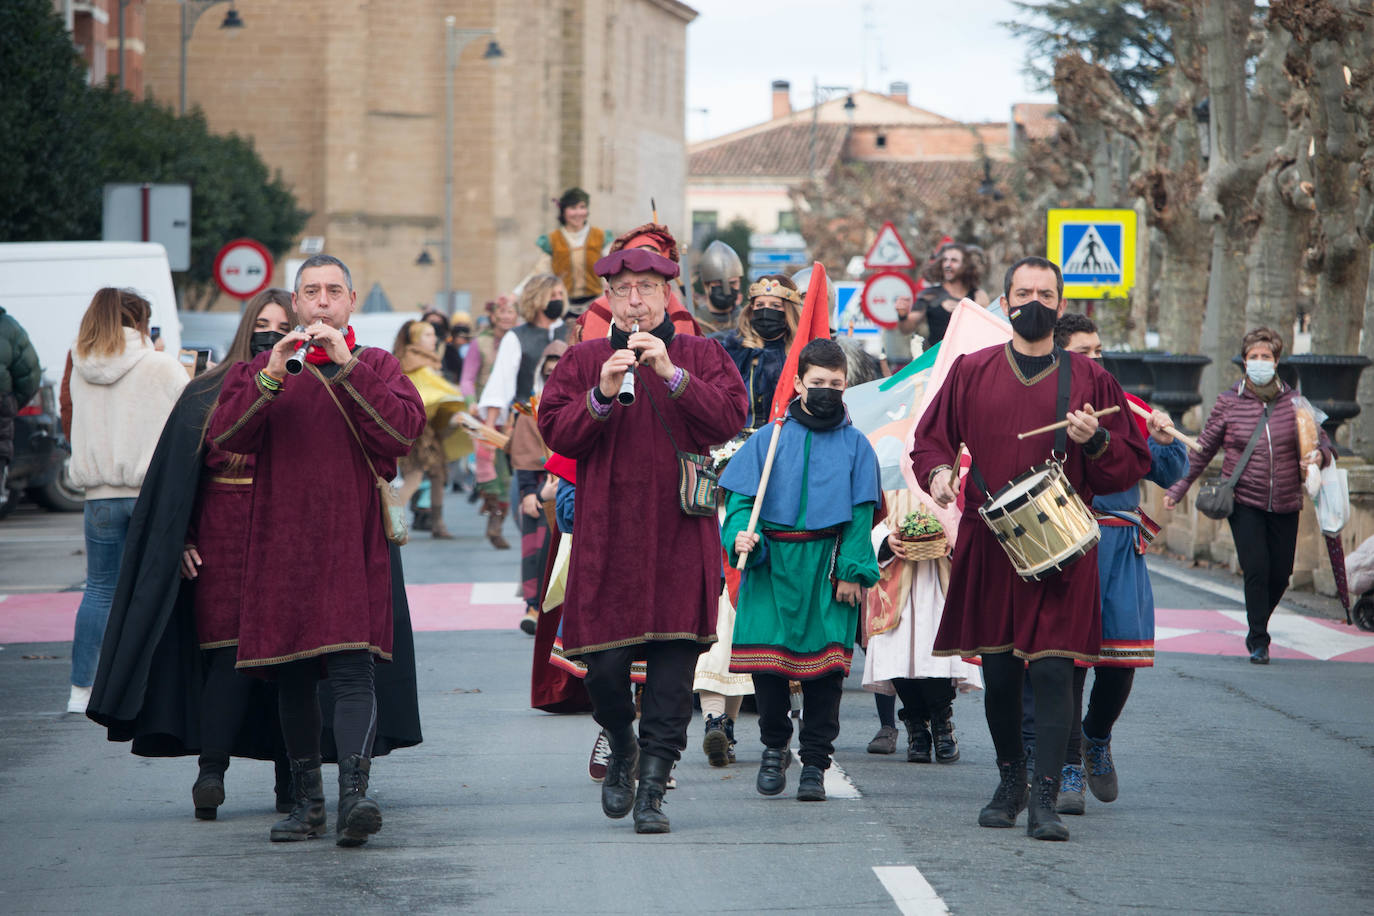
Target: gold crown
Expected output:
[770,287]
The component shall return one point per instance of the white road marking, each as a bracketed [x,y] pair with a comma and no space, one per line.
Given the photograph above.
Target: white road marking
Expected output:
[910,890]
[837,782]
[495,593]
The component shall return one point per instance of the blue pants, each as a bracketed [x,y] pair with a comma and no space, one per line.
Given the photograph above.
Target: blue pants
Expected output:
[107,525]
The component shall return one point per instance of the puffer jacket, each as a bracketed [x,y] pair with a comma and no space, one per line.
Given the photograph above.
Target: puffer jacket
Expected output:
[20,377]
[1272,479]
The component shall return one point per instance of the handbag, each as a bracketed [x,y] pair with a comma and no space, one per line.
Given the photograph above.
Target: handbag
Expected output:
[393,511]
[698,487]
[1216,496]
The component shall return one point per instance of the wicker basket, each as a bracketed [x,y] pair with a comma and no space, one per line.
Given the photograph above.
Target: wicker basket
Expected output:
[926,547]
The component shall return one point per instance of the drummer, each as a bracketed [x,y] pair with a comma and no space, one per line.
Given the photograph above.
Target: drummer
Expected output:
[990,610]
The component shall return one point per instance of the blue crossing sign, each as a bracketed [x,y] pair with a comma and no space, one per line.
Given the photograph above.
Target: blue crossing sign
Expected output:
[1095,249]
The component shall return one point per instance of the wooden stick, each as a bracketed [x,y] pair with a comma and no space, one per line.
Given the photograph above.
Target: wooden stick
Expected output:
[1170,429]
[763,485]
[1063,423]
[954,471]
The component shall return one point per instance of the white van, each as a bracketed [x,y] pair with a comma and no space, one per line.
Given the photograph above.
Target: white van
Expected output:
[47,287]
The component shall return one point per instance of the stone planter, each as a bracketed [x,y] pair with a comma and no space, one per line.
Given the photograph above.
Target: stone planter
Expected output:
[1176,377]
[1130,371]
[1329,382]
[1285,371]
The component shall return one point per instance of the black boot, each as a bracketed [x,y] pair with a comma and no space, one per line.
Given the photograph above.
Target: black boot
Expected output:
[772,778]
[716,742]
[917,738]
[208,792]
[653,782]
[1042,821]
[285,798]
[618,788]
[811,785]
[359,816]
[942,726]
[307,817]
[424,520]
[1010,797]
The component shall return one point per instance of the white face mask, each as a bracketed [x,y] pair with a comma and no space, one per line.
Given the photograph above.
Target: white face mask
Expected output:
[1259,371]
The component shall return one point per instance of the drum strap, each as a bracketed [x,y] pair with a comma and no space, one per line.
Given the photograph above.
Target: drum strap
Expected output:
[1061,436]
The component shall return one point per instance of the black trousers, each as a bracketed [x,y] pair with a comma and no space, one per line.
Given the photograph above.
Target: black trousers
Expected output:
[1265,543]
[924,697]
[820,714]
[352,678]
[666,704]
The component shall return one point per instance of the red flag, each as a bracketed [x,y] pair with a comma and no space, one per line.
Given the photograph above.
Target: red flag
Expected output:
[814,324]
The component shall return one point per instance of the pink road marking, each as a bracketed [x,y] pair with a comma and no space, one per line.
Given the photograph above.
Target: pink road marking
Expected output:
[1184,619]
[449,607]
[1359,655]
[38,617]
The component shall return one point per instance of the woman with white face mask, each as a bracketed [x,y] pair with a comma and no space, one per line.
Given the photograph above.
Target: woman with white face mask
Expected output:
[1268,493]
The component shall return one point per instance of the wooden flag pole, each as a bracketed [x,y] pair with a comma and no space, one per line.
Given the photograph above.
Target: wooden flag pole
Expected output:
[763,485]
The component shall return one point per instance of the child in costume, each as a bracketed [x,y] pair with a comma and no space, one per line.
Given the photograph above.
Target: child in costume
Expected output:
[806,567]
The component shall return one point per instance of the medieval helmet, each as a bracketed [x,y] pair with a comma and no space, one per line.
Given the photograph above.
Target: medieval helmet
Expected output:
[803,280]
[719,262]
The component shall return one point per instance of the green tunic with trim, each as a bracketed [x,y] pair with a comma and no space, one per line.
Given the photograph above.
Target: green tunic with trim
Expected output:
[787,620]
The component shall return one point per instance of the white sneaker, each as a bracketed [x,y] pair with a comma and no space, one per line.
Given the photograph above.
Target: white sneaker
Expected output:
[81,696]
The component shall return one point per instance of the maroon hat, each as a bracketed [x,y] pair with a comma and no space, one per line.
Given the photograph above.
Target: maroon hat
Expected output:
[639,260]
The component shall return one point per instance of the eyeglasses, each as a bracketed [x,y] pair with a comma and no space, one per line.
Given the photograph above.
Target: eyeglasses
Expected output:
[646,288]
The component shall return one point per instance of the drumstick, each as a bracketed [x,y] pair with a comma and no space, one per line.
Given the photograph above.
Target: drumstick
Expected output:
[954,471]
[1170,429]
[1063,423]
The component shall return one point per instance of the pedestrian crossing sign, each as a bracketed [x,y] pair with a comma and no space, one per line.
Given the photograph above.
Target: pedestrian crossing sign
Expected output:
[1095,249]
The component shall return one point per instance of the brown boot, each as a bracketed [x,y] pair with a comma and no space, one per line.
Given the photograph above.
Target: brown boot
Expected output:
[440,531]
[495,520]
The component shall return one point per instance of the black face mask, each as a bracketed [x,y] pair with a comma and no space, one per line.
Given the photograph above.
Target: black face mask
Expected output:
[554,309]
[824,403]
[770,324]
[1034,320]
[262,341]
[722,298]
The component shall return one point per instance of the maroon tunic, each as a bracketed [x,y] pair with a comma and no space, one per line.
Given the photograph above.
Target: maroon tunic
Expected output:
[641,571]
[983,403]
[318,576]
[223,508]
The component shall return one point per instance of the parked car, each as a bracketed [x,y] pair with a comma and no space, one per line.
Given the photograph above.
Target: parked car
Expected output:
[39,470]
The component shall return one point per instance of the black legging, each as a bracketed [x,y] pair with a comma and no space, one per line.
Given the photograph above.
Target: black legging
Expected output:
[223,700]
[355,704]
[923,697]
[1052,683]
[1265,543]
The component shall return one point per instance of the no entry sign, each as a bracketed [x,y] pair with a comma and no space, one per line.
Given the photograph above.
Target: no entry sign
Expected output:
[881,293]
[243,268]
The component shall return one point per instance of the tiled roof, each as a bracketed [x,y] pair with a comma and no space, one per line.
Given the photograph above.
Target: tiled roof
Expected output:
[933,178]
[1039,120]
[784,151]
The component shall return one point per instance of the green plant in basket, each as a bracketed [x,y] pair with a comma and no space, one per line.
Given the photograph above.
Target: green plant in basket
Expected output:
[919,524]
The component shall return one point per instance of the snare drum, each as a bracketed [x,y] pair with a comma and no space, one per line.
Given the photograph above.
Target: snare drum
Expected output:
[1041,522]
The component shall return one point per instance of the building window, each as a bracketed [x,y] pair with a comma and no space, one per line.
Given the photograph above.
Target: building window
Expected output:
[704,224]
[881,140]
[787,221]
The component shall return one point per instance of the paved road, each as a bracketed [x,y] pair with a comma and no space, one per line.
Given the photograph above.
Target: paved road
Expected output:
[1244,790]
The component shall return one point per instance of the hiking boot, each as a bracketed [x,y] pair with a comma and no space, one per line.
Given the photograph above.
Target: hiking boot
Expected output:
[359,816]
[530,622]
[307,817]
[207,794]
[648,806]
[811,785]
[885,742]
[1042,821]
[601,753]
[1101,770]
[618,786]
[918,741]
[942,730]
[772,778]
[716,742]
[1010,797]
[1071,799]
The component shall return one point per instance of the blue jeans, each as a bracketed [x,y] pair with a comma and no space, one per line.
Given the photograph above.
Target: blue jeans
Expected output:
[107,526]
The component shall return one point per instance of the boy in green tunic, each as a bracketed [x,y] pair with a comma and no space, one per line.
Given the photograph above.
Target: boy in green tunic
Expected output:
[807,566]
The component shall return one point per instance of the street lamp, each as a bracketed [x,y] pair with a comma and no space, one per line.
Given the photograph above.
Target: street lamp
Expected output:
[456,40]
[191,11]
[818,95]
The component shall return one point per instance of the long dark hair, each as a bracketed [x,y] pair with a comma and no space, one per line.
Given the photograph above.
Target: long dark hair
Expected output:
[241,349]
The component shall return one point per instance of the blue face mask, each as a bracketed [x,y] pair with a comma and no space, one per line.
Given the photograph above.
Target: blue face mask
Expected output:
[1259,371]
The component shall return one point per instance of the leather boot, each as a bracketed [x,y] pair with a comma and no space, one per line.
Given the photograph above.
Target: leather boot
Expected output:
[423,521]
[495,520]
[653,782]
[208,792]
[772,778]
[307,817]
[439,531]
[285,798]
[618,788]
[716,742]
[359,816]
[1010,797]
[918,743]
[811,785]
[942,727]
[1042,821]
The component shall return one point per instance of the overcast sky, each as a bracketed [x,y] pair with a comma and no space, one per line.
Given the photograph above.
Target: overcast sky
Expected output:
[957,57]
